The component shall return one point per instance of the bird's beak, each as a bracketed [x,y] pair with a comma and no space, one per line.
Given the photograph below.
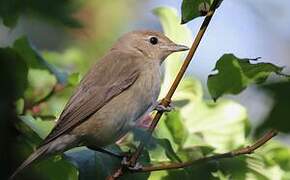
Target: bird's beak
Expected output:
[176,47]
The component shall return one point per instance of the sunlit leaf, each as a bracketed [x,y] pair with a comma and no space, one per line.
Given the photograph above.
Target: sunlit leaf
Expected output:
[74,79]
[220,175]
[42,128]
[223,125]
[41,82]
[177,33]
[234,75]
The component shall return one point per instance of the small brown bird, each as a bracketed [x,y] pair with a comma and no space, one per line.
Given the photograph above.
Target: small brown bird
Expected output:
[117,92]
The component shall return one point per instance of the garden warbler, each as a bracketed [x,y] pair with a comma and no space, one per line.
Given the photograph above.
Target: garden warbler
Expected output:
[120,89]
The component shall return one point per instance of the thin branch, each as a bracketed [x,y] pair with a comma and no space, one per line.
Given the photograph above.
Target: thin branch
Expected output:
[246,150]
[166,101]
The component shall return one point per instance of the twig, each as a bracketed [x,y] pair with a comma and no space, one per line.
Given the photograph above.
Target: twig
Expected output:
[166,101]
[246,150]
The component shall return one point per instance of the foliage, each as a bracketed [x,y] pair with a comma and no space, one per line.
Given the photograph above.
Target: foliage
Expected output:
[277,117]
[198,127]
[193,8]
[242,74]
[59,11]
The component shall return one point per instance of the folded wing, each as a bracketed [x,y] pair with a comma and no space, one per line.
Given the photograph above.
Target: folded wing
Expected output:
[112,75]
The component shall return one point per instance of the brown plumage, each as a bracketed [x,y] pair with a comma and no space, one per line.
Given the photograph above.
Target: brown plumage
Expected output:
[118,91]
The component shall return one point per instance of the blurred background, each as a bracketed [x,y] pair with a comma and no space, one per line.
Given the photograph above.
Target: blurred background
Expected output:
[243,27]
[247,28]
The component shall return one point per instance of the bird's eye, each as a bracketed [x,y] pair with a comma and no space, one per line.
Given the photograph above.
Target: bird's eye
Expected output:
[153,40]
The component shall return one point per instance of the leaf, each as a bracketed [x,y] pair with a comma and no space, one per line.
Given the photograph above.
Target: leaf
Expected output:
[242,168]
[56,168]
[96,165]
[177,128]
[15,70]
[222,125]
[276,153]
[92,164]
[169,151]
[24,47]
[41,128]
[278,117]
[74,79]
[41,82]
[159,148]
[234,75]
[221,176]
[54,11]
[34,60]
[51,168]
[180,34]
[191,9]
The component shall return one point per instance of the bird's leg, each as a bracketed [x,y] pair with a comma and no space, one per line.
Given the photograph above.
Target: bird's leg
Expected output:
[126,162]
[160,107]
[120,156]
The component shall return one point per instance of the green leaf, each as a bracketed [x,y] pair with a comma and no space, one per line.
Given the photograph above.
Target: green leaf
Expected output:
[54,11]
[74,79]
[15,69]
[51,168]
[19,106]
[278,117]
[160,148]
[96,165]
[222,125]
[24,47]
[34,60]
[180,34]
[56,168]
[191,9]
[250,167]
[176,127]
[41,82]
[169,151]
[234,75]
[40,127]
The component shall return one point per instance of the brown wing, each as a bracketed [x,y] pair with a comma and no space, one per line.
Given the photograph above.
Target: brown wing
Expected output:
[108,78]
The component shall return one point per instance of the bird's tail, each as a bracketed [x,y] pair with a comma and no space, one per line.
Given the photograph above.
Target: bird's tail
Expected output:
[36,155]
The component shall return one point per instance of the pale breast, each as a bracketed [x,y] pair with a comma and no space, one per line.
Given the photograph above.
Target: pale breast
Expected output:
[118,116]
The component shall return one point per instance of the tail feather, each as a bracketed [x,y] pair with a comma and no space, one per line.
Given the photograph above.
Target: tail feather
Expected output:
[36,155]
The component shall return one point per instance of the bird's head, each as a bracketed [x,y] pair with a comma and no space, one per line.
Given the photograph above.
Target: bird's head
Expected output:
[151,44]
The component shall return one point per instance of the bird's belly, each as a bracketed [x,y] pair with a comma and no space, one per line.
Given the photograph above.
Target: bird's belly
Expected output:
[119,115]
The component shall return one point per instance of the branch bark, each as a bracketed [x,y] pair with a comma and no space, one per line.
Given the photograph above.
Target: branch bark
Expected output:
[245,150]
[167,99]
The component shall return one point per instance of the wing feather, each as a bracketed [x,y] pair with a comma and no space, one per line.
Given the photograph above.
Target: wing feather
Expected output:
[108,78]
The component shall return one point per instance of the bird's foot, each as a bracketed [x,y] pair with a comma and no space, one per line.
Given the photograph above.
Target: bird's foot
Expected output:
[137,167]
[126,162]
[162,108]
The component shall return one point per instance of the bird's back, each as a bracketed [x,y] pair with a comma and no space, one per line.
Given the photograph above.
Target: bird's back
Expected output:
[118,115]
